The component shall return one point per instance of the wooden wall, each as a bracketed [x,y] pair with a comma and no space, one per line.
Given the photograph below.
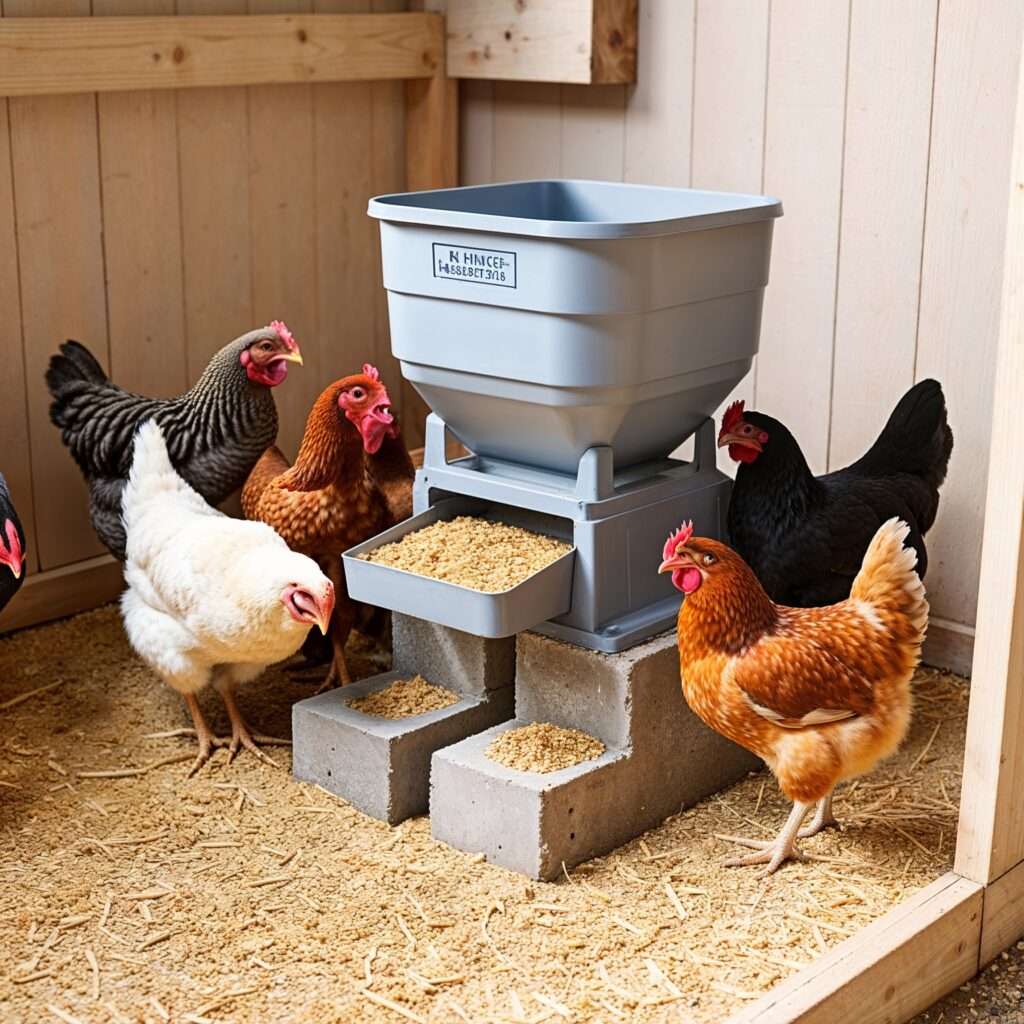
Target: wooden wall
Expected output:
[157,226]
[886,129]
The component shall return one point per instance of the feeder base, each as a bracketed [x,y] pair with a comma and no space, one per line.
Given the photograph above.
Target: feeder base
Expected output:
[380,765]
[659,759]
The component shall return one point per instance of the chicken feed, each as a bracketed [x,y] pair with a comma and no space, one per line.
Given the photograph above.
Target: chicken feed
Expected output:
[543,747]
[405,698]
[472,552]
[129,892]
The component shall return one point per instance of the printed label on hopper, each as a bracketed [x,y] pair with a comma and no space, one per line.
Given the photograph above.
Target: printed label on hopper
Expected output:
[468,263]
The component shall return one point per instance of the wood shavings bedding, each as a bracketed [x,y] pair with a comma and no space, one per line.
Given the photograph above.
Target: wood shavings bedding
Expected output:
[658,930]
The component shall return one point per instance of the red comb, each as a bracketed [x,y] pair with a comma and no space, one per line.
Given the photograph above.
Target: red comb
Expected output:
[681,536]
[732,415]
[371,371]
[283,333]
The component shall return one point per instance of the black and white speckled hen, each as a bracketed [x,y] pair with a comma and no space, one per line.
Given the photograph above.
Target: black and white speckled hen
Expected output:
[12,547]
[215,432]
[805,536]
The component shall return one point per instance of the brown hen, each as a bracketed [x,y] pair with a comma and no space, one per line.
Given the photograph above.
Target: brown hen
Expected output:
[326,502]
[821,694]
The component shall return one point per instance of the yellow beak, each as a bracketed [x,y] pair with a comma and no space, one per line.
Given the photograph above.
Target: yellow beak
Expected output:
[292,357]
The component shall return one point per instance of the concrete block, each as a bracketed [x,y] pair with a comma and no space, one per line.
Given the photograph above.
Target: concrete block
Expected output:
[660,758]
[463,662]
[379,765]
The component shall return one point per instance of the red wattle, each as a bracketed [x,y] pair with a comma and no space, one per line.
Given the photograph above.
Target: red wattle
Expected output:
[741,453]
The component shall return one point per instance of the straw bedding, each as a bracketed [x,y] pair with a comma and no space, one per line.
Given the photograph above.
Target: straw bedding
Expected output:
[130,893]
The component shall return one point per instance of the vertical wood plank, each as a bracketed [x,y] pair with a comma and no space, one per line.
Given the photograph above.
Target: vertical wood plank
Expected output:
[346,239]
[388,168]
[730,77]
[142,229]
[527,131]
[282,198]
[885,175]
[990,839]
[56,182]
[965,225]
[730,71]
[16,464]
[213,160]
[593,132]
[803,165]
[476,132]
[659,108]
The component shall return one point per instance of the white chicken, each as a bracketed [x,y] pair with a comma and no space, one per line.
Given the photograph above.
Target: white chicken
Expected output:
[210,598]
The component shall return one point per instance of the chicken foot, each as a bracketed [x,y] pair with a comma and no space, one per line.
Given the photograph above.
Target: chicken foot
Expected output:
[342,620]
[241,734]
[775,852]
[823,819]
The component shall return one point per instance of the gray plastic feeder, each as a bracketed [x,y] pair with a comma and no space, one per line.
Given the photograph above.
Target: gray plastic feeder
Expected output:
[571,334]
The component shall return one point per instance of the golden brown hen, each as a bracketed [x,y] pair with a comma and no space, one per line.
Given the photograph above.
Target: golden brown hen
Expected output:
[326,502]
[821,694]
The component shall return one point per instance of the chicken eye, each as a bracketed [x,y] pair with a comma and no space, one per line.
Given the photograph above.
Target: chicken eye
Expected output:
[747,429]
[709,559]
[357,393]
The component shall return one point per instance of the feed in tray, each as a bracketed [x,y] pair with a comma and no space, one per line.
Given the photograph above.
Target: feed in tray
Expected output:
[405,698]
[543,747]
[472,552]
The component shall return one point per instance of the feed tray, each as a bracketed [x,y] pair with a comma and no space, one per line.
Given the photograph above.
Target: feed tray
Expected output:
[544,595]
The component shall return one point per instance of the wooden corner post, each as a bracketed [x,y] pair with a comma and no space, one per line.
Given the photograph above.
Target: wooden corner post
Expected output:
[991,833]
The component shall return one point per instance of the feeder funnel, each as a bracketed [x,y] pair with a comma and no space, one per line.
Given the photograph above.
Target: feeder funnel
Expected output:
[542,318]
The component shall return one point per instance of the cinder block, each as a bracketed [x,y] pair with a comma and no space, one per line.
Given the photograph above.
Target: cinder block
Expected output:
[463,662]
[379,765]
[660,758]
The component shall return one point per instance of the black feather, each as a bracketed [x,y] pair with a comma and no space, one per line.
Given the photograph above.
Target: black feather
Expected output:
[805,536]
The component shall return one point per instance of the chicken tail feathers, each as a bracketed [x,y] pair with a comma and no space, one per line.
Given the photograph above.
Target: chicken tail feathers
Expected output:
[73,366]
[916,439]
[888,582]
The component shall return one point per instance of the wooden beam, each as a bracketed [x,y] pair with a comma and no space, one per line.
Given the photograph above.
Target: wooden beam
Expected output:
[585,42]
[1002,922]
[66,591]
[990,839]
[71,55]
[890,970]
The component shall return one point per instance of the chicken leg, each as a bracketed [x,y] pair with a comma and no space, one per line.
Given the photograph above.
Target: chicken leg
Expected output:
[241,734]
[823,819]
[773,853]
[342,620]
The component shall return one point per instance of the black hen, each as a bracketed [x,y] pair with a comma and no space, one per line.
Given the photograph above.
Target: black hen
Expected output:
[12,547]
[805,536]
[215,432]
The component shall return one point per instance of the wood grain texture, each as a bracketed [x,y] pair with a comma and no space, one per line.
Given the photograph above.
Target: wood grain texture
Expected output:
[527,131]
[885,175]
[730,75]
[142,229]
[892,969]
[45,56]
[991,833]
[660,107]
[803,165]
[965,228]
[56,593]
[213,162]
[15,465]
[476,134]
[593,132]
[282,198]
[573,41]
[1002,922]
[56,181]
